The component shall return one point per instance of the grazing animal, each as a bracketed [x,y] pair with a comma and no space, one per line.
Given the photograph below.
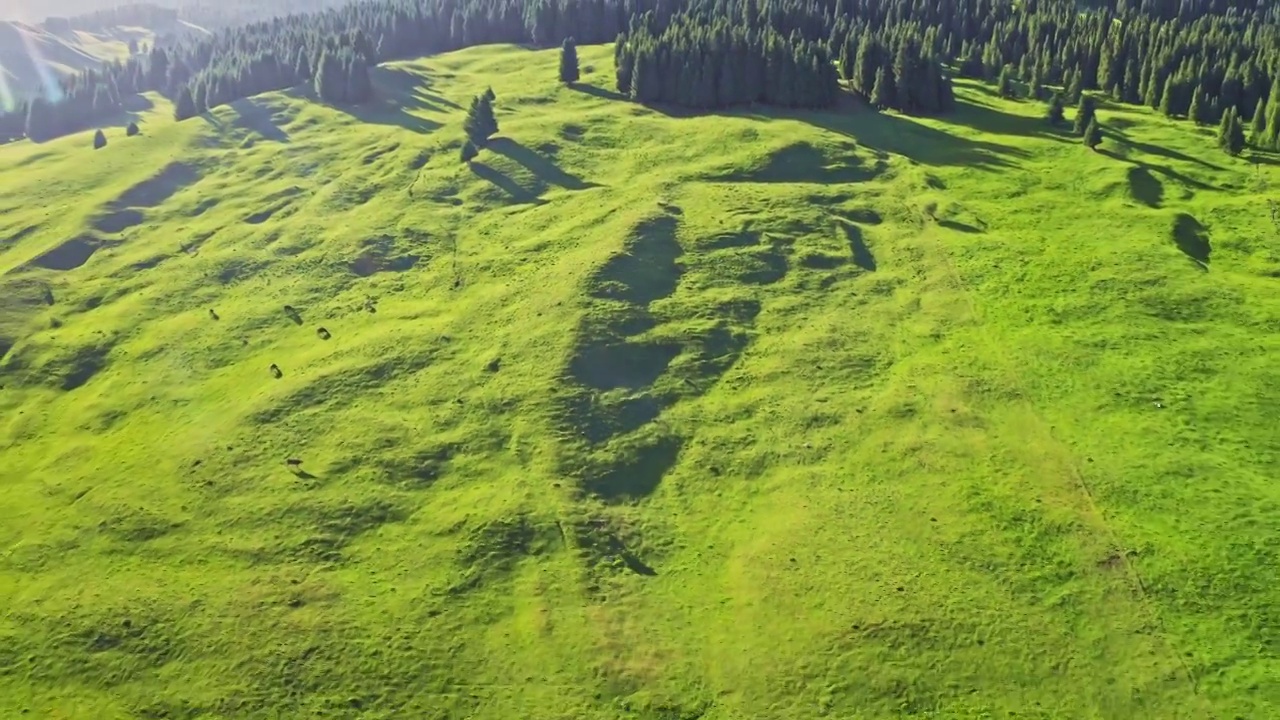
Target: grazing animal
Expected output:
[213,314]
[293,462]
[323,333]
[275,371]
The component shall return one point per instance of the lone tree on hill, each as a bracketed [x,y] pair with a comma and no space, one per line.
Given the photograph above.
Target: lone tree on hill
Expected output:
[468,152]
[99,140]
[1230,133]
[480,124]
[569,62]
[1085,112]
[1055,114]
[1092,134]
[132,129]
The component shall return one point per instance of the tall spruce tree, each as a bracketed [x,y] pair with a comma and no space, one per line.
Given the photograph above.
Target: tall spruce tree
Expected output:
[480,123]
[1004,85]
[1055,113]
[569,62]
[1258,126]
[1085,111]
[1196,113]
[1230,133]
[880,91]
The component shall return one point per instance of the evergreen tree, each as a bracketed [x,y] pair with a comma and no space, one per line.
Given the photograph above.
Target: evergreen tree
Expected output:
[490,95]
[568,62]
[1055,114]
[1166,98]
[480,123]
[132,129]
[1004,86]
[1074,89]
[185,106]
[1085,111]
[1273,123]
[880,91]
[99,140]
[1196,114]
[1092,134]
[469,151]
[1258,127]
[1231,133]
[302,66]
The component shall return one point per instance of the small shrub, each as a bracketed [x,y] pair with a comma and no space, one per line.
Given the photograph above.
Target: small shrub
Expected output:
[132,130]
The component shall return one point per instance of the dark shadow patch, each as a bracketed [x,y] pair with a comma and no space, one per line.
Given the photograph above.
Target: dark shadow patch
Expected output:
[858,250]
[604,547]
[79,368]
[379,254]
[19,236]
[821,261]
[635,471]
[396,92]
[614,365]
[153,191]
[1192,239]
[957,226]
[202,207]
[292,313]
[864,216]
[768,267]
[258,118]
[320,532]
[70,255]
[148,263]
[118,221]
[513,189]
[376,154]
[492,551]
[573,132]
[740,239]
[1144,187]
[648,271]
[804,163]
[598,92]
[541,167]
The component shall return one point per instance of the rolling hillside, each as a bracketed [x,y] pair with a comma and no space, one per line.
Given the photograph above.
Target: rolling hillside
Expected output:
[642,415]
[31,56]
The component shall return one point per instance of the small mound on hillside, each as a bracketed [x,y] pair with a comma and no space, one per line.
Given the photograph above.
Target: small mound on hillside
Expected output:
[70,254]
[494,549]
[803,162]
[380,254]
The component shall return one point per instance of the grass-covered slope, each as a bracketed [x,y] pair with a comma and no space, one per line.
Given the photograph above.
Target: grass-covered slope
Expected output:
[642,416]
[33,58]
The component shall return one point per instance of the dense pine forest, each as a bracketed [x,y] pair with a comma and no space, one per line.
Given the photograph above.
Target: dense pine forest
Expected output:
[1195,59]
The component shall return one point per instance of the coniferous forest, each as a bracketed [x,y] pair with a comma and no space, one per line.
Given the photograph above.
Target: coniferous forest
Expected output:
[1192,58]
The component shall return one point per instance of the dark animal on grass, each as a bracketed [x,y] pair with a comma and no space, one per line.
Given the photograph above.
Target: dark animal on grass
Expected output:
[323,333]
[213,314]
[275,371]
[293,314]
[293,462]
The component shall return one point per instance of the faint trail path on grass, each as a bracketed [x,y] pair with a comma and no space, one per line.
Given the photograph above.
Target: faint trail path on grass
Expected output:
[1095,514]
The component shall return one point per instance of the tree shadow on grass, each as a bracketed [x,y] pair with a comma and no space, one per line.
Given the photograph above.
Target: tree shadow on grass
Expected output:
[1120,137]
[1144,187]
[512,188]
[258,118]
[594,91]
[993,121]
[902,135]
[1192,238]
[858,250]
[884,132]
[541,166]
[409,89]
[1164,170]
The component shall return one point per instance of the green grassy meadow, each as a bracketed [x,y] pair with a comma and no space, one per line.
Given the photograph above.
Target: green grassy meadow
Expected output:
[645,416]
